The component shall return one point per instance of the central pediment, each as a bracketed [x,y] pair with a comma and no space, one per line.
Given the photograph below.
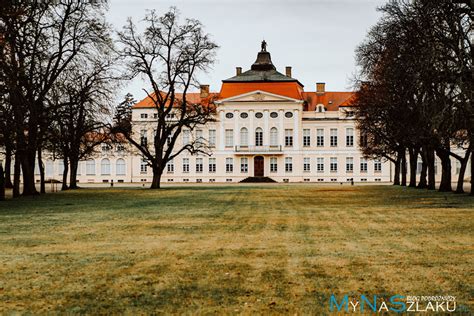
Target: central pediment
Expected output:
[259,96]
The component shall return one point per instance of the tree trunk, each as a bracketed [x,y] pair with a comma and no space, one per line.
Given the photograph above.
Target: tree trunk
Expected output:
[156,182]
[396,177]
[27,161]
[2,184]
[430,161]
[8,168]
[413,152]
[73,175]
[472,174]
[462,171]
[445,185]
[41,169]
[424,169]
[404,167]
[64,186]
[16,177]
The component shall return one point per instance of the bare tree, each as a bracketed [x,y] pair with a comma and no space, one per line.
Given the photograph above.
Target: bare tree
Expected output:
[168,54]
[40,39]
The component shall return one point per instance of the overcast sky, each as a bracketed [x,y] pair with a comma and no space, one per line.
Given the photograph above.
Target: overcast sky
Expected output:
[316,37]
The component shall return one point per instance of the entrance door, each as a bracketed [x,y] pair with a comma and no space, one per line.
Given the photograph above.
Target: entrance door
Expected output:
[258,166]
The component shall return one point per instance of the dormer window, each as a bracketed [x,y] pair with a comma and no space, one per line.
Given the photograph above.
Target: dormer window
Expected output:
[320,108]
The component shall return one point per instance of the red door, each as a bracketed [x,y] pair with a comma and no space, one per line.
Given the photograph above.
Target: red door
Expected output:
[258,168]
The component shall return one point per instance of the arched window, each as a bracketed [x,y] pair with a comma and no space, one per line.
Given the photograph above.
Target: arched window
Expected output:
[244,137]
[90,167]
[258,137]
[105,167]
[120,167]
[273,136]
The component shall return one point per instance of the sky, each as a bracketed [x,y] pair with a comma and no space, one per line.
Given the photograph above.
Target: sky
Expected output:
[317,38]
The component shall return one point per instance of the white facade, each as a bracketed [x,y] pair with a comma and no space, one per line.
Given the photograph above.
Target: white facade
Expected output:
[295,145]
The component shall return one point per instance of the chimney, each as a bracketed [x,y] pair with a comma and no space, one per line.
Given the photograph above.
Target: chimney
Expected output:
[320,87]
[288,71]
[204,91]
[238,71]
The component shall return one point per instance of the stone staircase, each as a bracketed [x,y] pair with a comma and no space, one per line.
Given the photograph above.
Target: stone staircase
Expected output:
[257,180]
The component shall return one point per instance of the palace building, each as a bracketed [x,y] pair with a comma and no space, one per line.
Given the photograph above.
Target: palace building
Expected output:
[267,125]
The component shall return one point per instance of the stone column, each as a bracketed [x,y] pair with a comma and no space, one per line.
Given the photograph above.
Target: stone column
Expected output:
[221,130]
[281,128]
[251,128]
[236,128]
[296,130]
[266,132]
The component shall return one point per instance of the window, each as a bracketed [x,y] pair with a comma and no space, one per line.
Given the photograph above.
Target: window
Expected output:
[244,137]
[212,165]
[349,137]
[229,115]
[349,164]
[378,166]
[229,137]
[143,137]
[143,166]
[288,137]
[169,139]
[60,166]
[306,164]
[170,166]
[288,164]
[120,148]
[199,137]
[143,115]
[273,164]
[244,115]
[274,115]
[212,137]
[106,148]
[244,165]
[185,165]
[333,164]
[90,167]
[120,167]
[306,137]
[363,164]
[155,115]
[288,115]
[363,140]
[320,137]
[258,137]
[458,166]
[259,115]
[186,136]
[320,164]
[333,139]
[199,165]
[273,136]
[320,108]
[105,167]
[229,165]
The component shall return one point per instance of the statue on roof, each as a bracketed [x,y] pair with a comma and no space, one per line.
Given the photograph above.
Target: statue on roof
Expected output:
[264,46]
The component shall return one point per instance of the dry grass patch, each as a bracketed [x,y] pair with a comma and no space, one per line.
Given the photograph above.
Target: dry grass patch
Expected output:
[234,249]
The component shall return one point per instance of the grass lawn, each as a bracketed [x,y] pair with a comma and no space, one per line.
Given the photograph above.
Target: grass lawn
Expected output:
[231,249]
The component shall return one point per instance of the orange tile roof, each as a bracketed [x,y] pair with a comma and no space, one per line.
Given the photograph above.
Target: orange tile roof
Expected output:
[331,100]
[192,97]
[288,89]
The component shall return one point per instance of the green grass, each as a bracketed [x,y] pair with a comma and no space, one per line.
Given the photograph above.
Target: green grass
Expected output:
[235,249]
